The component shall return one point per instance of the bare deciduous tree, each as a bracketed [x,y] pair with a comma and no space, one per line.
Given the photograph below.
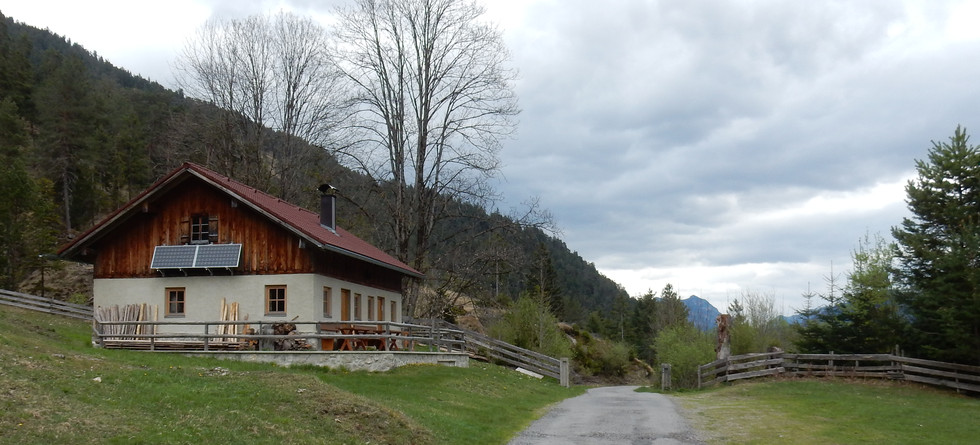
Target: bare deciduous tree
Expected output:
[432,99]
[269,73]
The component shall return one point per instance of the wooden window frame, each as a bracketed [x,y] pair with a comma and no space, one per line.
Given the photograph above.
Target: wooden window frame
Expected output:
[394,311]
[327,302]
[358,310]
[202,229]
[381,308]
[370,308]
[278,300]
[172,304]
[345,305]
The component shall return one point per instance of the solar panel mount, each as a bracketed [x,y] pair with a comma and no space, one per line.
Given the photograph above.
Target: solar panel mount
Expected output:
[196,256]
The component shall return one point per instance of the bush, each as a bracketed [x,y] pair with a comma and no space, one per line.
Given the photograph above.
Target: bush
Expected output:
[685,348]
[596,356]
[530,325]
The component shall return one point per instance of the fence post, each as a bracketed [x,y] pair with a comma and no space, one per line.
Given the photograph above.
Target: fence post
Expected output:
[665,376]
[563,372]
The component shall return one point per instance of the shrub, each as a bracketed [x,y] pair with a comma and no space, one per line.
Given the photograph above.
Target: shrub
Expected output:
[596,356]
[530,325]
[685,348]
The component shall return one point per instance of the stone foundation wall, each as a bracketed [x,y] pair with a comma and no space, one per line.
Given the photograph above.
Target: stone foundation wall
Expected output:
[374,361]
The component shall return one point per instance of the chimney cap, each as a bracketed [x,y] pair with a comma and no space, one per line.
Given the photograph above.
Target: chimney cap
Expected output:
[327,189]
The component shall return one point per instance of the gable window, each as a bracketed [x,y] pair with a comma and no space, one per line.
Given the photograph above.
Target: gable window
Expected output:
[275,300]
[327,302]
[175,302]
[204,229]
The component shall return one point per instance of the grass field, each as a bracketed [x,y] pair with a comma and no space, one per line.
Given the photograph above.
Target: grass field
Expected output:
[56,388]
[833,411]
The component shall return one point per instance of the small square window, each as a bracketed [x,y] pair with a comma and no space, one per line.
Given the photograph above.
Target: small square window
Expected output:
[275,300]
[175,302]
[204,229]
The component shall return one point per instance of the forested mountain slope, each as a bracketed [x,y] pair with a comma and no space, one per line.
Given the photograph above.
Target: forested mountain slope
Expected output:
[80,137]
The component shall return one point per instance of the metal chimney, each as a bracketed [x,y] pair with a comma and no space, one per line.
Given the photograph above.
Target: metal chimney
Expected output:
[328,206]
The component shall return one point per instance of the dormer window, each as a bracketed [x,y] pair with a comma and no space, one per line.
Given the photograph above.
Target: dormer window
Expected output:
[203,229]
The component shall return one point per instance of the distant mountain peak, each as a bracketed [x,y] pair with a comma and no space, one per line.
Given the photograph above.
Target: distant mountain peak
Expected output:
[700,312]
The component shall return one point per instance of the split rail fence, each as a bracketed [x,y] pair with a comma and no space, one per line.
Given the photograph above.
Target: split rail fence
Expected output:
[481,345]
[47,305]
[964,378]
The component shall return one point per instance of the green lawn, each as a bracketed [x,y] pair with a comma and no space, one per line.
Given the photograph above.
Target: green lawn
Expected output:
[833,411]
[56,388]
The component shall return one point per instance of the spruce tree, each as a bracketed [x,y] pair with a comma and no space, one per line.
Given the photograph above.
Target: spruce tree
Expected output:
[938,253]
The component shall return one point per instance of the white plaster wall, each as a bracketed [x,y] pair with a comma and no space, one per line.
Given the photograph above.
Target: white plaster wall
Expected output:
[304,297]
[337,286]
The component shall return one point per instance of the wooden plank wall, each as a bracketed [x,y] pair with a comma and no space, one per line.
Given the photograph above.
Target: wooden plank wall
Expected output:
[266,247]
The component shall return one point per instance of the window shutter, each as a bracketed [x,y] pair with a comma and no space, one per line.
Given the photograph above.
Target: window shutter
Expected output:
[213,229]
[185,231]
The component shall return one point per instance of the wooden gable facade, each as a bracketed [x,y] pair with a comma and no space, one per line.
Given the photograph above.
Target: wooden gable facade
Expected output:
[321,269]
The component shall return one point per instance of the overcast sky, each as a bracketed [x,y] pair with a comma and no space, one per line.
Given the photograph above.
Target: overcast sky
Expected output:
[720,146]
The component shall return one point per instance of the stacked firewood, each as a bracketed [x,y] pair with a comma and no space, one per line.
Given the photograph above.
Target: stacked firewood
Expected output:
[289,344]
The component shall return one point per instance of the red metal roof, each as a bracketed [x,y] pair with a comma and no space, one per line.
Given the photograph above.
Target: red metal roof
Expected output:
[296,219]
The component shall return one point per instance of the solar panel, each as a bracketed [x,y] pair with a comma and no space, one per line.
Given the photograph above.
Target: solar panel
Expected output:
[173,257]
[196,256]
[218,255]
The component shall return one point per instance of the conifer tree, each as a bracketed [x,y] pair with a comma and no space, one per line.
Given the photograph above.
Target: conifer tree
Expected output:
[939,253]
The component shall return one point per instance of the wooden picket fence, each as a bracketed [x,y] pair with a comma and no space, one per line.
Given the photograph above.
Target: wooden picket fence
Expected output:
[962,378]
[47,305]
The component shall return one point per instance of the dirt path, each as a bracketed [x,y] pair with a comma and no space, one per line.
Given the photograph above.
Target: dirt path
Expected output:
[611,415]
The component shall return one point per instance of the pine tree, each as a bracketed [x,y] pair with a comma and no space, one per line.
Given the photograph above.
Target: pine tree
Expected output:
[873,321]
[670,309]
[939,253]
[70,130]
[26,225]
[542,282]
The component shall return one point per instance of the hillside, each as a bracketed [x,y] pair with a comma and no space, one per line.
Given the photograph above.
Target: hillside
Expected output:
[58,389]
[86,136]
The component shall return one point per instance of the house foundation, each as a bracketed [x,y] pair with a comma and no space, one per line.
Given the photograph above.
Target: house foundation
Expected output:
[373,361]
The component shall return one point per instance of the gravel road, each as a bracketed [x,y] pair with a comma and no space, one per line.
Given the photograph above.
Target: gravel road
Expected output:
[611,415]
